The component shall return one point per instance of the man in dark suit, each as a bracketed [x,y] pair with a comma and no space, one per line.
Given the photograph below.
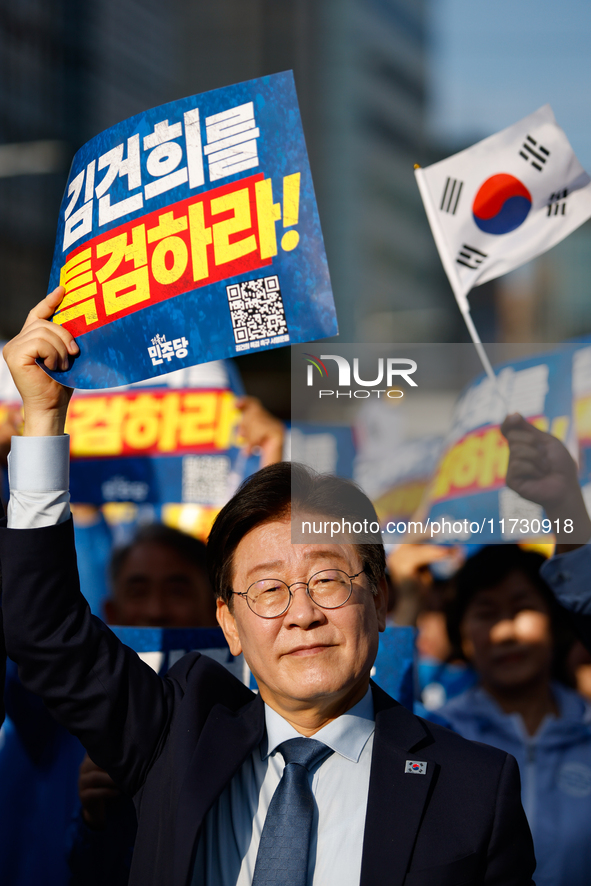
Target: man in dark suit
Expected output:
[220,801]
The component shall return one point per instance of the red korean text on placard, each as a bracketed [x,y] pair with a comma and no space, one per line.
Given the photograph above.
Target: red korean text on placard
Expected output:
[214,236]
[478,462]
[152,422]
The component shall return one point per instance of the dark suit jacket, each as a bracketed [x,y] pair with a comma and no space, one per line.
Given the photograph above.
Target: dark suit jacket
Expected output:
[175,743]
[2,663]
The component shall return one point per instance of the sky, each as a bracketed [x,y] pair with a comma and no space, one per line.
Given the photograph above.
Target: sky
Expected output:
[493,62]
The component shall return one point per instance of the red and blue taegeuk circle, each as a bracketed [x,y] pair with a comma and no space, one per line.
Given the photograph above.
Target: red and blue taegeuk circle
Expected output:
[501,205]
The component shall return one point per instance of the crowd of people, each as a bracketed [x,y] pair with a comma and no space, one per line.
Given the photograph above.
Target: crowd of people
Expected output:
[123,775]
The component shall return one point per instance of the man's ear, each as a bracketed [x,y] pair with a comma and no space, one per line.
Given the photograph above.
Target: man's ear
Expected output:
[227,622]
[381,601]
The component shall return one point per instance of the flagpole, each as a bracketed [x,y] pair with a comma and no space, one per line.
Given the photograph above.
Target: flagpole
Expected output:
[477,343]
[465,310]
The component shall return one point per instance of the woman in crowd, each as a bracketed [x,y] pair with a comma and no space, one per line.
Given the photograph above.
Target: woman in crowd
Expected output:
[506,623]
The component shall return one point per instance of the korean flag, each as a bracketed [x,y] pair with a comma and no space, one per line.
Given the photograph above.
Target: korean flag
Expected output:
[503,201]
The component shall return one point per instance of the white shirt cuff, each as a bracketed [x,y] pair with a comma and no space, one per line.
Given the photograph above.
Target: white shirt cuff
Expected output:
[38,475]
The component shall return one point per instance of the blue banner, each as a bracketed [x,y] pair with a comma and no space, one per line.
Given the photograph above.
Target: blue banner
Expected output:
[469,501]
[328,449]
[190,233]
[170,441]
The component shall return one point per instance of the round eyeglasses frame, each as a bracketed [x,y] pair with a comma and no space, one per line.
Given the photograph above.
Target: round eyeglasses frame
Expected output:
[289,587]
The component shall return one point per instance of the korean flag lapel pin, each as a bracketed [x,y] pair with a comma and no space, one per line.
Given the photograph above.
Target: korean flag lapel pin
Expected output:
[416,767]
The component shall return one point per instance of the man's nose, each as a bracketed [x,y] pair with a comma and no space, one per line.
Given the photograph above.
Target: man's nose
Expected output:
[303,611]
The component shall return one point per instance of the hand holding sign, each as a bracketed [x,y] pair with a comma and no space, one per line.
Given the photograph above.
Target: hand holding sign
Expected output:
[542,470]
[45,402]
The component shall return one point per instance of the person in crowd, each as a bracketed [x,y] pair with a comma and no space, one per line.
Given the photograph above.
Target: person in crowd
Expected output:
[579,665]
[159,579]
[506,622]
[420,575]
[542,470]
[321,778]
[260,431]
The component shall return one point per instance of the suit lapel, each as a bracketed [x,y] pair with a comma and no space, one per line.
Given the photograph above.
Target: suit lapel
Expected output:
[224,744]
[396,799]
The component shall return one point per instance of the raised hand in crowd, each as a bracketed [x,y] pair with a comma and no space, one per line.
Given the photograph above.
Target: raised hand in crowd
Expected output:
[542,470]
[409,568]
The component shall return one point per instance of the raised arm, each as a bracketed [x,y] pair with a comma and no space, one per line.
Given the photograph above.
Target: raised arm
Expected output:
[542,470]
[91,683]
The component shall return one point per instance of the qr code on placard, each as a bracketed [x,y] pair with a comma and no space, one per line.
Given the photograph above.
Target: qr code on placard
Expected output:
[257,310]
[205,478]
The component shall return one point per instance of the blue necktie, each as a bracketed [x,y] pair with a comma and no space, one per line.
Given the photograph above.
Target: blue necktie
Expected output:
[282,859]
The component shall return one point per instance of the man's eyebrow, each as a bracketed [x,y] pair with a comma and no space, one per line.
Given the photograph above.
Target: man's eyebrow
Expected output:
[328,552]
[309,555]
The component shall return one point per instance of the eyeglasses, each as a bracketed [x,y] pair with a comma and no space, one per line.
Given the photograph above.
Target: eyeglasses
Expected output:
[271,597]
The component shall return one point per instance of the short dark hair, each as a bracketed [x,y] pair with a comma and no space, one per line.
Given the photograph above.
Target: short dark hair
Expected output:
[186,546]
[487,569]
[271,494]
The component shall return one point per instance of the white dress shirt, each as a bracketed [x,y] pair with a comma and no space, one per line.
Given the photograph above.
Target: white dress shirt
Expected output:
[227,850]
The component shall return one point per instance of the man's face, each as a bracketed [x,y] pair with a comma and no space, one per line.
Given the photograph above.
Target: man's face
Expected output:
[158,587]
[506,634]
[309,657]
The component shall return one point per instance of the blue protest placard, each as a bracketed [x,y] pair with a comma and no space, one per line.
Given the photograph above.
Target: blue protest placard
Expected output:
[161,648]
[582,413]
[394,669]
[325,448]
[190,233]
[173,440]
[412,470]
[469,501]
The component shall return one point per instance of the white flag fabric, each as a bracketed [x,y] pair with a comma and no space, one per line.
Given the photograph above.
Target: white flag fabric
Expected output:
[505,200]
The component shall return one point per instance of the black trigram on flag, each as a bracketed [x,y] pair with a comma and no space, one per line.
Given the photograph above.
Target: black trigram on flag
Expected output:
[534,153]
[451,195]
[470,257]
[557,203]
